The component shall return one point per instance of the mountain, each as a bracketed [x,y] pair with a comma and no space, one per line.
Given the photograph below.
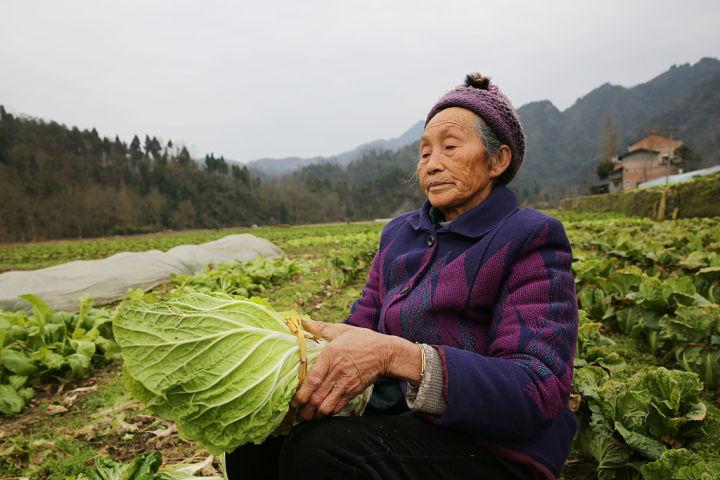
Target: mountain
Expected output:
[273,167]
[279,166]
[563,148]
[57,181]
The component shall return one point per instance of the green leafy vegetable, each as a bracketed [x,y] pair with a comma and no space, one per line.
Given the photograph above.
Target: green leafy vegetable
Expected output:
[631,422]
[243,279]
[681,464]
[223,369]
[45,345]
[352,260]
[146,466]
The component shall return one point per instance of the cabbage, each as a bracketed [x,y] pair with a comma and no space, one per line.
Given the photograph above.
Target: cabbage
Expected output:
[681,464]
[223,369]
[146,466]
[631,422]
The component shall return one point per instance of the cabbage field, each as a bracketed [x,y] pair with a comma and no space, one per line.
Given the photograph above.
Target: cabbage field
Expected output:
[647,372]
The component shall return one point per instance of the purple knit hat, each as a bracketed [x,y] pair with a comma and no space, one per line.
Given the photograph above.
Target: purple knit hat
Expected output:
[486,100]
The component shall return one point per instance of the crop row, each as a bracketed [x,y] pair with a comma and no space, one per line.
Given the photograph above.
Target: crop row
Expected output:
[43,254]
[41,346]
[657,284]
[665,296]
[635,422]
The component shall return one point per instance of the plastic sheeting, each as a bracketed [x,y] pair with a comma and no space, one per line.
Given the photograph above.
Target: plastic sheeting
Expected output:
[679,178]
[109,279]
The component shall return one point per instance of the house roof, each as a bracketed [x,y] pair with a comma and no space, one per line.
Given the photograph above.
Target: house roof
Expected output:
[655,141]
[636,151]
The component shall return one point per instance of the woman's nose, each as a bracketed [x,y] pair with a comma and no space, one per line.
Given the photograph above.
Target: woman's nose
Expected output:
[434,164]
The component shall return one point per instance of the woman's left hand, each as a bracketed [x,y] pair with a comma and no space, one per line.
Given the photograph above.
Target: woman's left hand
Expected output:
[353,359]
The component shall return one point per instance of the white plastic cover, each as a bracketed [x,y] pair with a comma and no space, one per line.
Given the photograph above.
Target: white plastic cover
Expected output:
[109,279]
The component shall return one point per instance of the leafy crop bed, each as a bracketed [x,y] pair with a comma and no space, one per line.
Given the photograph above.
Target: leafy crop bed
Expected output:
[38,255]
[646,375]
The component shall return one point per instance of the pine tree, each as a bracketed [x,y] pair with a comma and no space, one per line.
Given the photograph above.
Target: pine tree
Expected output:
[184,157]
[136,152]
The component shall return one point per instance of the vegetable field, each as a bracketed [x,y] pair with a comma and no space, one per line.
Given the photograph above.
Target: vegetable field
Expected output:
[647,372]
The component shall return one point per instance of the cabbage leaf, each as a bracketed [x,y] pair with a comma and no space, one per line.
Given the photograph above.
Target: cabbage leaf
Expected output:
[223,369]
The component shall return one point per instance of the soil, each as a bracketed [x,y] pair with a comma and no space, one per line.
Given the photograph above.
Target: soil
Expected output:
[95,413]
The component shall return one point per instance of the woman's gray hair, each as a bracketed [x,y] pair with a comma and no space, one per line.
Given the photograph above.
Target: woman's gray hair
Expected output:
[488,138]
[492,145]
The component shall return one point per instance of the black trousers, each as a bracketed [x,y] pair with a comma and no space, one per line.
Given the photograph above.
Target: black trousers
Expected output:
[370,448]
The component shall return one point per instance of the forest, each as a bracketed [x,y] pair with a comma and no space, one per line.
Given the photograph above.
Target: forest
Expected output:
[60,182]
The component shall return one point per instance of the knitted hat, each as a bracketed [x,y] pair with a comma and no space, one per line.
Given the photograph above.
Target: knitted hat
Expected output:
[486,100]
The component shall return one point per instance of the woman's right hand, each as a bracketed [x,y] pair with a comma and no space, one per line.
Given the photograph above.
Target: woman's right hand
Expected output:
[353,359]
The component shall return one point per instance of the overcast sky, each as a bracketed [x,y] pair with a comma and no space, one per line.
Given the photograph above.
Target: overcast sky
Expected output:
[272,79]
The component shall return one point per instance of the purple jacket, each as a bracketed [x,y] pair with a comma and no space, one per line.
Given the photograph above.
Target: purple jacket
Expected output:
[494,291]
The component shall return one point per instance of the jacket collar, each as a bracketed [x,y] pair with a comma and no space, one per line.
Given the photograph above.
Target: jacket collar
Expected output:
[477,221]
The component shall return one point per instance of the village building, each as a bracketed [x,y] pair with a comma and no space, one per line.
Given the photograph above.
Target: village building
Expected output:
[651,157]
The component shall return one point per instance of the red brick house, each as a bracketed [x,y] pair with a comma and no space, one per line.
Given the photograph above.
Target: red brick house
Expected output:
[648,158]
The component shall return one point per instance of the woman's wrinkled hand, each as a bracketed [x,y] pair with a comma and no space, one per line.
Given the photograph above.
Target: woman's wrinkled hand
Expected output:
[352,360]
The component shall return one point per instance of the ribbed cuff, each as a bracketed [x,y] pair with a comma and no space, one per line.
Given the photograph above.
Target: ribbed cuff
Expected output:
[427,397]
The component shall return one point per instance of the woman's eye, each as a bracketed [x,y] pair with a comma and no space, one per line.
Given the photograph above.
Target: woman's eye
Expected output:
[425,156]
[450,147]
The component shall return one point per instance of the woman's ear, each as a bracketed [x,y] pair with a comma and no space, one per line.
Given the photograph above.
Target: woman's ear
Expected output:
[500,161]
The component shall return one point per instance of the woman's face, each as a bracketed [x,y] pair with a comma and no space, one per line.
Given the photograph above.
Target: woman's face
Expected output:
[454,169]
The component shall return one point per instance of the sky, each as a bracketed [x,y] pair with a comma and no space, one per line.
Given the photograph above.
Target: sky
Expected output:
[249,80]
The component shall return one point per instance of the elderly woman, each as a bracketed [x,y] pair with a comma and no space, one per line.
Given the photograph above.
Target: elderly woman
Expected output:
[469,308]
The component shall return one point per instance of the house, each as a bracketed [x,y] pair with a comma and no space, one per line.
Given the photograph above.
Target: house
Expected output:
[651,157]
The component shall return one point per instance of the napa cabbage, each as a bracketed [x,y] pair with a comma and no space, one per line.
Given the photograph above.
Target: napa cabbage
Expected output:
[628,423]
[681,464]
[223,369]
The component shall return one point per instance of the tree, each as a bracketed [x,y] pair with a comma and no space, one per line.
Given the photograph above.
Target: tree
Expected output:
[184,157]
[608,149]
[222,165]
[283,213]
[136,152]
[691,160]
[604,169]
[216,165]
[183,216]
[152,147]
[241,174]
[3,140]
[610,139]
[119,146]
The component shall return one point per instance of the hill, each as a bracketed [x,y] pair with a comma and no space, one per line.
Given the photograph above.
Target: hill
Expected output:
[281,166]
[59,182]
[563,148]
